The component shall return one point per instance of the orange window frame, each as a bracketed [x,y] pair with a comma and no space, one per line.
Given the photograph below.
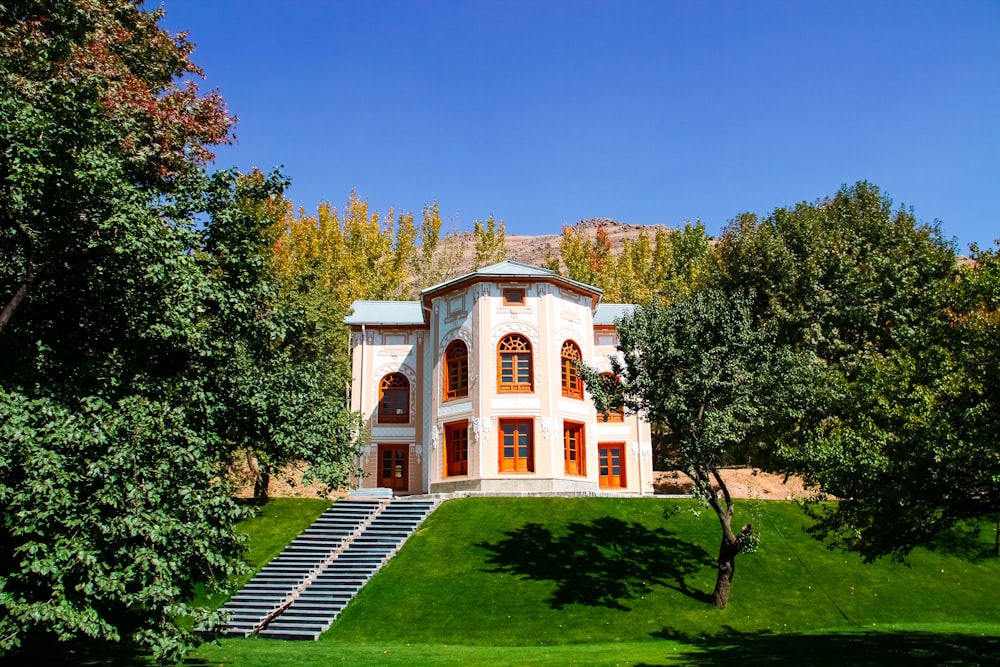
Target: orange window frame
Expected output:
[394,399]
[516,445]
[515,370]
[456,374]
[574,452]
[514,296]
[456,448]
[569,372]
[611,465]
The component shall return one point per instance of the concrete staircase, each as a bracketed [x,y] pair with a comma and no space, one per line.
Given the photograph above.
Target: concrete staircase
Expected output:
[303,590]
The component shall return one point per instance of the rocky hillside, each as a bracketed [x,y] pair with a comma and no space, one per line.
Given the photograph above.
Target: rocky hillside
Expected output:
[533,249]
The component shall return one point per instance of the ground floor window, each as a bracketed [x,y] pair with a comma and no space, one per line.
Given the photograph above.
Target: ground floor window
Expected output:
[611,464]
[456,448]
[393,468]
[517,451]
[573,454]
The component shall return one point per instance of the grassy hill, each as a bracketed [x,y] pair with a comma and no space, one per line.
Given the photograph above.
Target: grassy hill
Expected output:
[539,581]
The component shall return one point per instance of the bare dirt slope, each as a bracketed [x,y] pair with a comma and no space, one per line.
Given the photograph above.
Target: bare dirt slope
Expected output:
[741,482]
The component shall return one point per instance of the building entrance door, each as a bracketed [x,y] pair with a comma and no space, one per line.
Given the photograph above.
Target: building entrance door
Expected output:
[612,465]
[392,468]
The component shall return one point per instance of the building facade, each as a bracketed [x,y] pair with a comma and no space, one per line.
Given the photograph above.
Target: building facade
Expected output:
[474,388]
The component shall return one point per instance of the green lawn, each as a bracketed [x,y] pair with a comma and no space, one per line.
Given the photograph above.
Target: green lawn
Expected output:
[550,581]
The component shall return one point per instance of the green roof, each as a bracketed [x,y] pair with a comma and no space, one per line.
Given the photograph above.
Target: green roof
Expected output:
[511,269]
[609,313]
[387,313]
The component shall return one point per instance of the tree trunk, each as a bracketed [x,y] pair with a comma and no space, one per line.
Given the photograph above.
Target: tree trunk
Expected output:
[261,477]
[30,272]
[261,484]
[731,543]
[726,569]
[996,538]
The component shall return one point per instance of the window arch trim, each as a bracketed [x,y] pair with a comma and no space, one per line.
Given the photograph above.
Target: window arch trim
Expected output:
[394,399]
[515,366]
[569,373]
[456,370]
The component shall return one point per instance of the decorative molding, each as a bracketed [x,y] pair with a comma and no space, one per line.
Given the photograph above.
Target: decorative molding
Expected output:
[605,431]
[453,407]
[482,426]
[417,451]
[529,403]
[575,408]
[393,433]
[462,332]
[515,327]
[550,425]
[571,296]
[571,316]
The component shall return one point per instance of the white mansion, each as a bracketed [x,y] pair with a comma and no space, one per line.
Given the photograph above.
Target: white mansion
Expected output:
[475,388]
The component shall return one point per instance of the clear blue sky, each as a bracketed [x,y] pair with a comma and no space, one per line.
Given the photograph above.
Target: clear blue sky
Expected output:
[543,113]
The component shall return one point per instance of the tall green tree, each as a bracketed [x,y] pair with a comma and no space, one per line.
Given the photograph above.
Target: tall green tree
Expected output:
[918,452]
[137,305]
[839,277]
[439,257]
[704,369]
[863,289]
[490,242]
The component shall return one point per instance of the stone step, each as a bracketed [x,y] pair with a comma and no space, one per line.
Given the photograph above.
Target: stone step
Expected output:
[323,621]
[248,603]
[314,593]
[291,633]
[314,613]
[364,549]
[260,590]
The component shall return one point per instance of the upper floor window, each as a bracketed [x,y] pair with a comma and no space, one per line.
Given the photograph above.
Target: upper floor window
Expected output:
[456,373]
[572,383]
[514,367]
[513,296]
[394,398]
[616,411]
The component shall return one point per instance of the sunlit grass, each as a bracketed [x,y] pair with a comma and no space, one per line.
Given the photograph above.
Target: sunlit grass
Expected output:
[550,581]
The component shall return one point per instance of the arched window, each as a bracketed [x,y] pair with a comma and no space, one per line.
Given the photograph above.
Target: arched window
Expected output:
[514,368]
[572,383]
[456,370]
[616,411]
[394,398]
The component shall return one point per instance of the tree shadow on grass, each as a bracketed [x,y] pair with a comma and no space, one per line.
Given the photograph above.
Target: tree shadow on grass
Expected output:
[858,649]
[82,653]
[601,563]
[971,540]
